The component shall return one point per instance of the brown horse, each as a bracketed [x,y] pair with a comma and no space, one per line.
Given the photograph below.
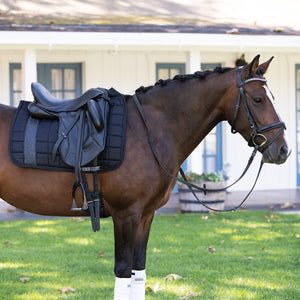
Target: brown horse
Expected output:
[179,114]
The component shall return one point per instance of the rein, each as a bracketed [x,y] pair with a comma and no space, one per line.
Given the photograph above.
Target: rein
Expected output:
[257,132]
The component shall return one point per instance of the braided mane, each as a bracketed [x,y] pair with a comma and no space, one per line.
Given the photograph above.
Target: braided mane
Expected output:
[182,78]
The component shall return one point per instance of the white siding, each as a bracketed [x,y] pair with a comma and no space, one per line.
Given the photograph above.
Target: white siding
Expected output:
[129,65]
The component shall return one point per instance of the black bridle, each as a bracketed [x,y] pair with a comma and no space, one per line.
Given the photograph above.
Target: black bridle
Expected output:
[257,132]
[255,136]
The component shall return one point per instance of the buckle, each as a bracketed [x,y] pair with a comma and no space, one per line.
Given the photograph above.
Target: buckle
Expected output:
[256,138]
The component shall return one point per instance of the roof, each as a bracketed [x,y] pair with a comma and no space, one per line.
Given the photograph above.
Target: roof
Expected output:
[256,17]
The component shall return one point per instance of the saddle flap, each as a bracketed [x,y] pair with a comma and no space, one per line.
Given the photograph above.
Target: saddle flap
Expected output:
[92,140]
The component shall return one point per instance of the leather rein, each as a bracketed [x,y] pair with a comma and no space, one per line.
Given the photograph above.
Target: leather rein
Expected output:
[255,136]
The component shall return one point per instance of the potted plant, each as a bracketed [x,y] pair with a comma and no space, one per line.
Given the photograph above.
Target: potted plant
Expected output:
[215,200]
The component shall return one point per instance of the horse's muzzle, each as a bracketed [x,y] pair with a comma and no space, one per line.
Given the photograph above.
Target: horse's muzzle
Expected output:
[276,155]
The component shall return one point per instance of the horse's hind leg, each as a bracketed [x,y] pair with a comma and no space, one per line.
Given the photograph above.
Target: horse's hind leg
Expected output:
[125,229]
[138,278]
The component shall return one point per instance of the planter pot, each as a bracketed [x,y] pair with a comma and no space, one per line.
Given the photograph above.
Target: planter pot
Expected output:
[188,203]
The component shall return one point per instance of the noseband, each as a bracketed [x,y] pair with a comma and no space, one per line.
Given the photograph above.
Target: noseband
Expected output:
[257,132]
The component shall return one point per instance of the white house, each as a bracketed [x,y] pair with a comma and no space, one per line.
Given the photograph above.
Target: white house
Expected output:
[141,41]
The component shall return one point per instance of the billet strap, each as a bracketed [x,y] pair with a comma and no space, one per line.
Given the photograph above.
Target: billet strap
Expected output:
[94,199]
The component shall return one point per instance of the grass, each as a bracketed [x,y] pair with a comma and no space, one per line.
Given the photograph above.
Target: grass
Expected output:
[257,256]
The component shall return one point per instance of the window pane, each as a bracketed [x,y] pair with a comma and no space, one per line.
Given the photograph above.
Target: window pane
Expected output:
[56,79]
[163,73]
[298,99]
[174,72]
[211,164]
[69,77]
[211,144]
[298,121]
[16,98]
[57,94]
[298,78]
[17,79]
[69,95]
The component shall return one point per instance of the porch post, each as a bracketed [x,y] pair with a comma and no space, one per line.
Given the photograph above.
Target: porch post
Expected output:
[193,64]
[29,73]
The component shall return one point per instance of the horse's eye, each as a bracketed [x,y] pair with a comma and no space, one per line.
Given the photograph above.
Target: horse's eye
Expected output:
[257,100]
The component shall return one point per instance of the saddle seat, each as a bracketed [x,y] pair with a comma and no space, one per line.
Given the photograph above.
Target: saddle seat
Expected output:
[43,98]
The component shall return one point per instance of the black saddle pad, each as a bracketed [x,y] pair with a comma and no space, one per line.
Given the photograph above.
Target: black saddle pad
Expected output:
[47,132]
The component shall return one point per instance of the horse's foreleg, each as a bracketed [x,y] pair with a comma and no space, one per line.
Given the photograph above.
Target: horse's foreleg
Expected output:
[138,279]
[125,229]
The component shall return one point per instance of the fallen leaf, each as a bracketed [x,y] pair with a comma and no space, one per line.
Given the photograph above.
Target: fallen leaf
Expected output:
[211,249]
[155,289]
[174,216]
[188,296]
[24,279]
[274,216]
[287,205]
[172,277]
[263,248]
[266,217]
[204,217]
[101,254]
[78,219]
[7,242]
[66,289]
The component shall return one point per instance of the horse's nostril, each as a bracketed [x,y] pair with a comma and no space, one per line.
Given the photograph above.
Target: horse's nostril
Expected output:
[284,151]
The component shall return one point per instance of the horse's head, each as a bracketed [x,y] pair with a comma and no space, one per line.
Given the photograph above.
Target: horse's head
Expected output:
[253,114]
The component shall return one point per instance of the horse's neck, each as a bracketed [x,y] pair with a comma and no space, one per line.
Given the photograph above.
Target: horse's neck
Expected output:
[188,111]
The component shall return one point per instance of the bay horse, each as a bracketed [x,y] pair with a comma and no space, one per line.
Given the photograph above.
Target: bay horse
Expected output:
[179,114]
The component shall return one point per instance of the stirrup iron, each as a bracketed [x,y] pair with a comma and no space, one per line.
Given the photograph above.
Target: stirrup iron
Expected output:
[74,206]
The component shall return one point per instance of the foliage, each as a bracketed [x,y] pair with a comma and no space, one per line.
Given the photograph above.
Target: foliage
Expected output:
[243,255]
[213,176]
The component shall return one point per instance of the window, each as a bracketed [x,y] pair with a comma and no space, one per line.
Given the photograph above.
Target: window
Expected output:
[169,70]
[212,145]
[15,82]
[62,80]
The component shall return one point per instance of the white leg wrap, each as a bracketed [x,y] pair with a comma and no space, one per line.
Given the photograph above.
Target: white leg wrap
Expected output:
[138,280]
[122,288]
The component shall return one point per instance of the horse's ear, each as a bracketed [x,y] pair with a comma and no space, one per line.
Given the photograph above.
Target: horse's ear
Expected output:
[262,69]
[251,68]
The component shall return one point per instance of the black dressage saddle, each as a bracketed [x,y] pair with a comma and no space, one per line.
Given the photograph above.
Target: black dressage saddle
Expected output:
[82,123]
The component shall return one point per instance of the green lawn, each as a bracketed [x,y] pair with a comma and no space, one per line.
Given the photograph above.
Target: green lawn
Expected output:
[253,255]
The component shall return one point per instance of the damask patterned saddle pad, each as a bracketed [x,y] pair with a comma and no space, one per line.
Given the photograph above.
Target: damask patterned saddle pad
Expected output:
[46,133]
